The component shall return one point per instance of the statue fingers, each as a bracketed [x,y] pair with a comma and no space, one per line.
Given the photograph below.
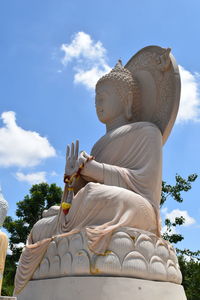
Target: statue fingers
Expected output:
[72,162]
[76,149]
[68,151]
[68,165]
[72,149]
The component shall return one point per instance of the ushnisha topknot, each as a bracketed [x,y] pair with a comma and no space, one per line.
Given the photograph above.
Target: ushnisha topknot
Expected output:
[124,82]
[118,73]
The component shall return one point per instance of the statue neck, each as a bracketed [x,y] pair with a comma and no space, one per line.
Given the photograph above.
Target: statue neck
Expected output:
[118,122]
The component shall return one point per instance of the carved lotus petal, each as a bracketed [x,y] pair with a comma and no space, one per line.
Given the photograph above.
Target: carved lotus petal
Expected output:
[76,243]
[81,263]
[135,265]
[179,276]
[63,245]
[106,264]
[157,269]
[172,254]
[51,250]
[162,250]
[121,244]
[172,274]
[66,264]
[55,266]
[44,268]
[144,244]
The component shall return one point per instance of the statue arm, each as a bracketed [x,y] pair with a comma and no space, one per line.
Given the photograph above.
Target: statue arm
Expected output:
[105,173]
[93,171]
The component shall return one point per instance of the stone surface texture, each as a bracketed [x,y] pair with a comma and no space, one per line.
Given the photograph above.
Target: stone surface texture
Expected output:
[101,288]
[131,253]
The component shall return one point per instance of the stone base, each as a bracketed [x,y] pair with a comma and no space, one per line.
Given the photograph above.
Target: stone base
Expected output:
[101,288]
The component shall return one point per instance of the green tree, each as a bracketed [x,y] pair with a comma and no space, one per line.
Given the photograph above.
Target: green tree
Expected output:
[189,261]
[9,275]
[174,192]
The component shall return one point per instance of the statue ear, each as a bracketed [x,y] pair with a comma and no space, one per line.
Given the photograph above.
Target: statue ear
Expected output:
[128,106]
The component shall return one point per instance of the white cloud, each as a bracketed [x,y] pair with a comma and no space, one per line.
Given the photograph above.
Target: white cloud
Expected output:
[32,178]
[9,251]
[19,245]
[89,57]
[178,213]
[19,147]
[53,174]
[189,109]
[89,78]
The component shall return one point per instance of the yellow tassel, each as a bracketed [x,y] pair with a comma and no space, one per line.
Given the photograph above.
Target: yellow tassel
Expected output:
[66,205]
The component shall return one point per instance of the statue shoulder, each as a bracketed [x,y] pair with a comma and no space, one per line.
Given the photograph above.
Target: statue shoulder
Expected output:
[145,128]
[146,132]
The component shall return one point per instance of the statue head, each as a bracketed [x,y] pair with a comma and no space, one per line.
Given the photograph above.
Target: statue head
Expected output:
[117,94]
[3,208]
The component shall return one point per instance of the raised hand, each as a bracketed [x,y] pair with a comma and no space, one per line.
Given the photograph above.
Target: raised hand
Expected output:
[75,160]
[72,164]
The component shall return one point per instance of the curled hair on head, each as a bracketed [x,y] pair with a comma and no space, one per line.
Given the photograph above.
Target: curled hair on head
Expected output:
[124,82]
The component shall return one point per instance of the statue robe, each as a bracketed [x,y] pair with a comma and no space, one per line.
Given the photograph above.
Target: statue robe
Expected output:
[129,197]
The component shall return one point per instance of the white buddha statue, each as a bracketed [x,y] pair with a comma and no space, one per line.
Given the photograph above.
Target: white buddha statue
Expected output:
[118,187]
[3,237]
[123,182]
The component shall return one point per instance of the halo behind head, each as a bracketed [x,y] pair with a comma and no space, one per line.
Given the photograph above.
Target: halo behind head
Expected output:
[158,75]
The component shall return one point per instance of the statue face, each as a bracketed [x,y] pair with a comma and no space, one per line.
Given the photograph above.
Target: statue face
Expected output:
[109,105]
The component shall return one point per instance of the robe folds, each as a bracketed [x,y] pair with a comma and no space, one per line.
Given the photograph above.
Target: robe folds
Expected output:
[129,197]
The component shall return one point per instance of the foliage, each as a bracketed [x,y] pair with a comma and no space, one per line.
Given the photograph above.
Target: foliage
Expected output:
[173,237]
[189,261]
[29,211]
[8,279]
[190,268]
[175,192]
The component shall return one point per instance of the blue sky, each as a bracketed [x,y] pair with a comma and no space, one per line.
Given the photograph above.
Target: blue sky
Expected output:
[51,54]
